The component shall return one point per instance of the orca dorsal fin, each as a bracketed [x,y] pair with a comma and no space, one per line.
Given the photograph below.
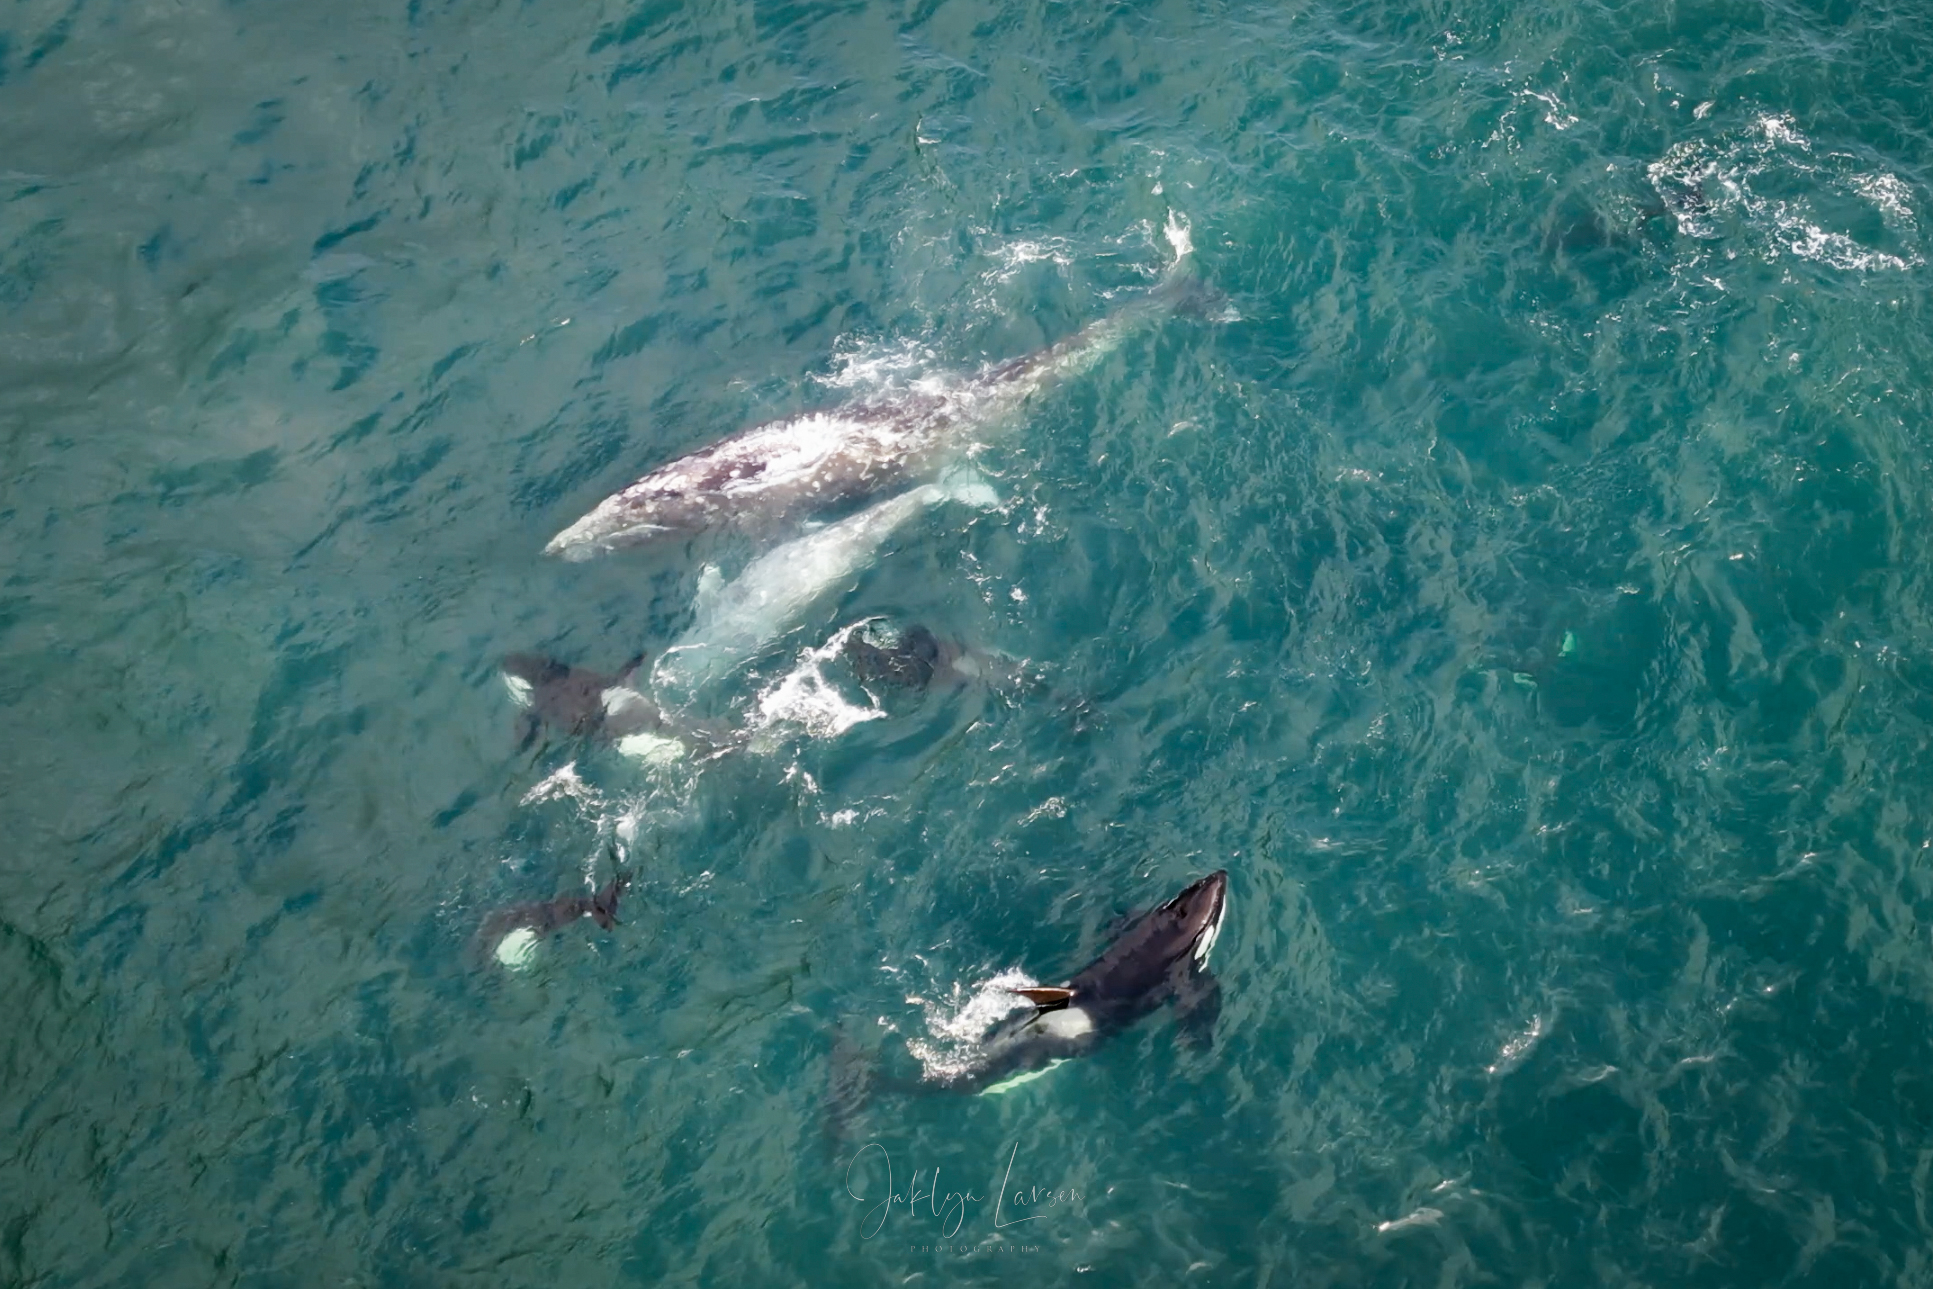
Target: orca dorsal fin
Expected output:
[1046,999]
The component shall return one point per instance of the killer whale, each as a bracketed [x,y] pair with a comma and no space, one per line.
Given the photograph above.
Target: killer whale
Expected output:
[904,659]
[576,701]
[613,709]
[1160,958]
[887,657]
[510,936]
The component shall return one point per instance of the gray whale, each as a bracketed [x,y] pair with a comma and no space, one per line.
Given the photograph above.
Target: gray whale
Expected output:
[799,464]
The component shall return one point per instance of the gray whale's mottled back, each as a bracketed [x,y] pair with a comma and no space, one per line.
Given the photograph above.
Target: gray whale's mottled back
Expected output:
[801,464]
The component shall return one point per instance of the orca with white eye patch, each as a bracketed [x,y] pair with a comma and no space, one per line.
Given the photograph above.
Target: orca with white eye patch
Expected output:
[1160,958]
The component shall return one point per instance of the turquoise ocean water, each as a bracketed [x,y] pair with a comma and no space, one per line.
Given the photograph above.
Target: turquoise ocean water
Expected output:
[1520,589]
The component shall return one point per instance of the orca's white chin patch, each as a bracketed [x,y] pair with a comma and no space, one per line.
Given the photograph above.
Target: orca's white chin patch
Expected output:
[1205,942]
[519,689]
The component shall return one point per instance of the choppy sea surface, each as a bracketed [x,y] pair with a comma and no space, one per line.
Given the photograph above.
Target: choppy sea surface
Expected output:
[1519,588]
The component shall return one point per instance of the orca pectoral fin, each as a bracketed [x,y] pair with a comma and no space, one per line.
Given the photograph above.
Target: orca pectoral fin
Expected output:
[1198,1004]
[1044,998]
[529,725]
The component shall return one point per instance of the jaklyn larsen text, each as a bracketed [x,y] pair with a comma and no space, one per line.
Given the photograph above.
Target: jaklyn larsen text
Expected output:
[1012,1204]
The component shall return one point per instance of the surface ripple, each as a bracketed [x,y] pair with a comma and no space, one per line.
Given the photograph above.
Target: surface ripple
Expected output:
[1519,589]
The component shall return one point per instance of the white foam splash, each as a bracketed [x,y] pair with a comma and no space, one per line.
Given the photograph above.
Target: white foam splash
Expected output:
[1810,242]
[1706,179]
[1779,127]
[1556,115]
[1052,808]
[1017,255]
[803,697]
[877,366]
[565,783]
[960,1021]
[664,804]
[1179,236]
[1888,192]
